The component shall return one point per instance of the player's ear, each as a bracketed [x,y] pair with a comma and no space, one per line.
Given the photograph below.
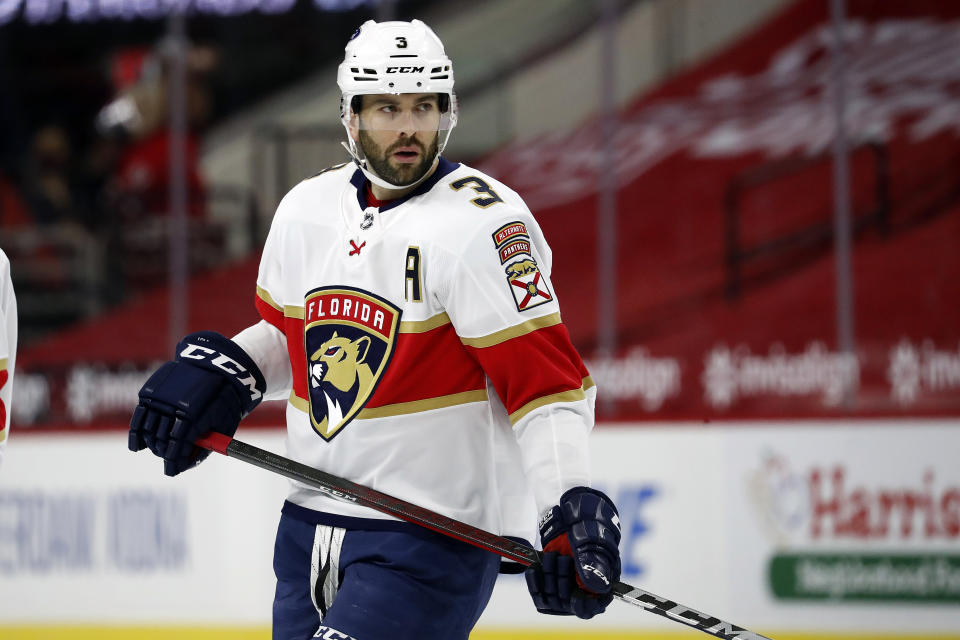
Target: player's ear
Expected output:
[353,129]
[356,104]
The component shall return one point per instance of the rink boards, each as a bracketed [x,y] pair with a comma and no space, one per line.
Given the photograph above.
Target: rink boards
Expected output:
[794,530]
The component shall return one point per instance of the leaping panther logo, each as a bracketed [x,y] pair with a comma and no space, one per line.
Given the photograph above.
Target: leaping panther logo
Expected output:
[349,337]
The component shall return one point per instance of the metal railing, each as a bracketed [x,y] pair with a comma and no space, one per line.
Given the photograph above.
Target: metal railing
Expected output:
[63,272]
[56,272]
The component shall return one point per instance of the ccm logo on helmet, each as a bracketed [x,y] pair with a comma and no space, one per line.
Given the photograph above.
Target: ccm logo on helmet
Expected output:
[404,69]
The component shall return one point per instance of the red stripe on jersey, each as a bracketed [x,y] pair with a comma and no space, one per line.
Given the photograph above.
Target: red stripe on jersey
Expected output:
[427,365]
[292,328]
[424,365]
[531,366]
[269,313]
[298,356]
[435,363]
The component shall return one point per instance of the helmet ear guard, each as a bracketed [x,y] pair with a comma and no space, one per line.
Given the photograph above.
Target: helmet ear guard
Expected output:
[395,58]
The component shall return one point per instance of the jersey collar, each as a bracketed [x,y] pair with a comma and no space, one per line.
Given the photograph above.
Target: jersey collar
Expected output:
[359,181]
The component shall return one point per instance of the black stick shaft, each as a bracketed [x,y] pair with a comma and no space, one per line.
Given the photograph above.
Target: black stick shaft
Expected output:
[345,490]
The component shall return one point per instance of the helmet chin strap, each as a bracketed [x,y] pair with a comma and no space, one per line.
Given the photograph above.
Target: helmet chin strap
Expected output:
[373,177]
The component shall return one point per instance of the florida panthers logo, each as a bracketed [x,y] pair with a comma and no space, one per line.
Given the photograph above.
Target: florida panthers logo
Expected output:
[338,371]
[527,284]
[349,337]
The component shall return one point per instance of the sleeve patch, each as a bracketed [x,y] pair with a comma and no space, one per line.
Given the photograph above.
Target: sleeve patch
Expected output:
[508,232]
[527,284]
[511,249]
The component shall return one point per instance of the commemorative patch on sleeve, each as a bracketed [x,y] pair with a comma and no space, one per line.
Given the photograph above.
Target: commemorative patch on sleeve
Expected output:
[527,284]
[510,231]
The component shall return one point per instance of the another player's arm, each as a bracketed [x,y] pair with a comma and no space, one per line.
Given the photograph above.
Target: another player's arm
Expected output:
[6,375]
[8,348]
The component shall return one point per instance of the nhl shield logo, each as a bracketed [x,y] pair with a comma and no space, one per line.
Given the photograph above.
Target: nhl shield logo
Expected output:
[527,284]
[349,335]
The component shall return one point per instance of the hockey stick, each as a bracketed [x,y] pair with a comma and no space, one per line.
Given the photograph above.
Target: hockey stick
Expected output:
[348,491]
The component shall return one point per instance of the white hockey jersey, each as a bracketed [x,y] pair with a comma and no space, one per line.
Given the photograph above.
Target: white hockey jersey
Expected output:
[421,349]
[8,348]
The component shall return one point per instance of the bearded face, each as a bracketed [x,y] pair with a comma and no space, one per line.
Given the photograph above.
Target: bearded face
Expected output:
[405,160]
[399,134]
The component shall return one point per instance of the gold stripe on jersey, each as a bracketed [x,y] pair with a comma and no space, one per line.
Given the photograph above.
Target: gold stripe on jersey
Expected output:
[513,332]
[404,408]
[573,395]
[3,364]
[422,326]
[417,406]
[264,295]
[298,402]
[292,311]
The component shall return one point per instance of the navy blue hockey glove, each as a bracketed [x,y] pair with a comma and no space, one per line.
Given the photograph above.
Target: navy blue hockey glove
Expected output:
[210,386]
[581,555]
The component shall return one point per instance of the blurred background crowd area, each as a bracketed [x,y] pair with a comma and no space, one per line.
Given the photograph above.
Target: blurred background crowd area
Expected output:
[698,135]
[85,143]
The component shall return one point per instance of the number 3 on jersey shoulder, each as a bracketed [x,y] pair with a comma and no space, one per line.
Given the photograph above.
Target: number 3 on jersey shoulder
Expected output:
[487,197]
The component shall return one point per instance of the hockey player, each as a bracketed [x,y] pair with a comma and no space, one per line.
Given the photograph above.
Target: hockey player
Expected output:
[8,348]
[409,321]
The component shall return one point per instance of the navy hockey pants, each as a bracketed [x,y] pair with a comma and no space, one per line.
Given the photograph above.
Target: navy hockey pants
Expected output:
[407,583]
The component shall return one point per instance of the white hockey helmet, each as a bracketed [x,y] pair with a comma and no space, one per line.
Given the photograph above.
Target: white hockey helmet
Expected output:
[395,57]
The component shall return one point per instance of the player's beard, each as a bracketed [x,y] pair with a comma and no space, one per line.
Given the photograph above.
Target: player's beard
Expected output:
[379,160]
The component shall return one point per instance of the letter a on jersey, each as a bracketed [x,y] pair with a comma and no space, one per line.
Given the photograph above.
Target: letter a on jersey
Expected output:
[527,284]
[349,335]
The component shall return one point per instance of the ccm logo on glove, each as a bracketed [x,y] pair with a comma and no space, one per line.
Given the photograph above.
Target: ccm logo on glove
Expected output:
[226,363]
[210,386]
[592,569]
[581,555]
